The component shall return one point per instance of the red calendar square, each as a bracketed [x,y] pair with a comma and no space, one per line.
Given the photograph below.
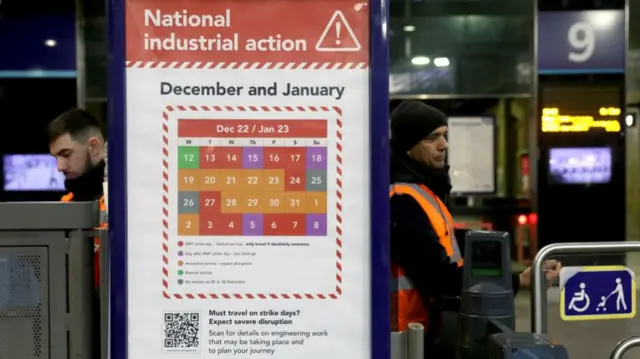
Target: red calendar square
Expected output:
[295,157]
[226,225]
[284,224]
[274,157]
[228,157]
[209,224]
[209,202]
[294,179]
[209,157]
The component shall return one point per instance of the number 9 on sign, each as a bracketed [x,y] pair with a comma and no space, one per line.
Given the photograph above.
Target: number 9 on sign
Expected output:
[582,39]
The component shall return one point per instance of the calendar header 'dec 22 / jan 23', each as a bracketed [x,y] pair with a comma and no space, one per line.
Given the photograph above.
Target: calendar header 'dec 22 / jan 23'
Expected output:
[248,208]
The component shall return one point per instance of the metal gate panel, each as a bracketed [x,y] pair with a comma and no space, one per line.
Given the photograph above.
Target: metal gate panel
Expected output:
[24,303]
[56,244]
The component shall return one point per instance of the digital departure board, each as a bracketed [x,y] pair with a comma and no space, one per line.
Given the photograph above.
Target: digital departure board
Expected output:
[573,108]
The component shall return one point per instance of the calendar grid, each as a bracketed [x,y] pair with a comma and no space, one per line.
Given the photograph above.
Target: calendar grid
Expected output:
[252,177]
[270,186]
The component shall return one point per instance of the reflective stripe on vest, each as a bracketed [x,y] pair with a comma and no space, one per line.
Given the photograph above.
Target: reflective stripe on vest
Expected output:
[438,215]
[400,283]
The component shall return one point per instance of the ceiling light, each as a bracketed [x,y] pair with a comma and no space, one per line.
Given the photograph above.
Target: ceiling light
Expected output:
[420,60]
[50,43]
[409,28]
[441,61]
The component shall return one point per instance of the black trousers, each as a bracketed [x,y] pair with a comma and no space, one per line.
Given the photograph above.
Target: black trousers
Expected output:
[443,343]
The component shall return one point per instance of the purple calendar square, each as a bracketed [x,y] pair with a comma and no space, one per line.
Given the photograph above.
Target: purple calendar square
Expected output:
[316,224]
[252,157]
[316,158]
[252,224]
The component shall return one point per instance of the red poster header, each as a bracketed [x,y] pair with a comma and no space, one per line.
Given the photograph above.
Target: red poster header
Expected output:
[254,32]
[237,128]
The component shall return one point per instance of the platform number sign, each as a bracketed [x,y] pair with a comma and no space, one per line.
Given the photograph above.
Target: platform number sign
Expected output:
[588,42]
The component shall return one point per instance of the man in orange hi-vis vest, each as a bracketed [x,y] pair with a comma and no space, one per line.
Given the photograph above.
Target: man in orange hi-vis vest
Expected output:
[425,256]
[77,142]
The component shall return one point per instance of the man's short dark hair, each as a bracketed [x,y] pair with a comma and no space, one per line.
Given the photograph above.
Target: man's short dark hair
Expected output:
[78,123]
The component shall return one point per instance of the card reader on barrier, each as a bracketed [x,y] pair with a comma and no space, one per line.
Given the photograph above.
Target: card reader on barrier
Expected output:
[486,324]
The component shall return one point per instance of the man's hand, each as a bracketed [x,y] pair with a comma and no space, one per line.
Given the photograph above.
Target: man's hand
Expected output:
[551,270]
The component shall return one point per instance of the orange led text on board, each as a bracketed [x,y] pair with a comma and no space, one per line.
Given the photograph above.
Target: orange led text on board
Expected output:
[554,121]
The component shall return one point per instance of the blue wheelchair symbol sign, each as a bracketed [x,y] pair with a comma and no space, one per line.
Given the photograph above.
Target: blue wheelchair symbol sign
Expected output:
[597,293]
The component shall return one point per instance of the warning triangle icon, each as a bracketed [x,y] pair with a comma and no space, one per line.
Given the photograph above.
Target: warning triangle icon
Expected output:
[338,36]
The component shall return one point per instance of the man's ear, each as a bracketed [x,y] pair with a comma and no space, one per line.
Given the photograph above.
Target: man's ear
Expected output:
[95,146]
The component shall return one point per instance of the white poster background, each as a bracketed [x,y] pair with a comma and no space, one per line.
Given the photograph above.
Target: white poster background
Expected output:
[471,154]
[346,319]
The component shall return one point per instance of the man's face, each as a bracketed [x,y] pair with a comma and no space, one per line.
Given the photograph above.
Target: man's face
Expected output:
[75,158]
[432,150]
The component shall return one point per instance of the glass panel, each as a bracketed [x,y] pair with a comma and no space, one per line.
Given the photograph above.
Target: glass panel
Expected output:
[633,56]
[95,33]
[461,47]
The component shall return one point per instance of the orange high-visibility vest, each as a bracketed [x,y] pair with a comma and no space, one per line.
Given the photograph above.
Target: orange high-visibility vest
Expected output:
[96,241]
[406,304]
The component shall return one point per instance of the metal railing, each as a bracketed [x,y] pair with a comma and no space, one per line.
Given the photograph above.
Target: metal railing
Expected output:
[538,279]
[624,346]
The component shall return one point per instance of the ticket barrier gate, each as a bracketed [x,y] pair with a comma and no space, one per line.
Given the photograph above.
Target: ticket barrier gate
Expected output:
[47,295]
[486,320]
[486,325]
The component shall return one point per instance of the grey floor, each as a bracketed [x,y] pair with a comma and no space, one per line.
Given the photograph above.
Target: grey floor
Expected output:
[584,340]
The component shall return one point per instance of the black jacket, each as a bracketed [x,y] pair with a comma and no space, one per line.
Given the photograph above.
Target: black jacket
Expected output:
[415,247]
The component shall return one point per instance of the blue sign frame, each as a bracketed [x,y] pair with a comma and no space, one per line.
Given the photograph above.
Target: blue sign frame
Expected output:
[581,42]
[379,167]
[593,303]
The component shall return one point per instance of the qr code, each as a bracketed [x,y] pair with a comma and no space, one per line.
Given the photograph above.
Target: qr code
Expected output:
[181,332]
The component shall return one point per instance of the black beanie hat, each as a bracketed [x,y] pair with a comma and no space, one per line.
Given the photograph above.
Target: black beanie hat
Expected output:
[411,122]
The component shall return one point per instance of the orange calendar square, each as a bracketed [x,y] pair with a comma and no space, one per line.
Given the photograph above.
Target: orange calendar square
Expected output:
[252,180]
[316,202]
[232,202]
[274,180]
[274,202]
[188,224]
[188,180]
[209,180]
[253,202]
[296,202]
[232,180]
